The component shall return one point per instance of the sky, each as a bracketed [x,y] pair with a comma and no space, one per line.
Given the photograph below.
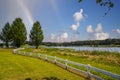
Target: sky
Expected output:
[64,20]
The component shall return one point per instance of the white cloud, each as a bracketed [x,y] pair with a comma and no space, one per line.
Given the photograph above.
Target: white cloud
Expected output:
[78,16]
[52,36]
[59,38]
[98,33]
[89,29]
[64,35]
[101,36]
[118,31]
[99,28]
[75,26]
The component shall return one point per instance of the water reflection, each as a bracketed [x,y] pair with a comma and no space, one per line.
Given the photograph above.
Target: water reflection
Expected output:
[80,48]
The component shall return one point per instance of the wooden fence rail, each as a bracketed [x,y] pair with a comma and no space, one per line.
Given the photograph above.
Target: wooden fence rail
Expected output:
[65,63]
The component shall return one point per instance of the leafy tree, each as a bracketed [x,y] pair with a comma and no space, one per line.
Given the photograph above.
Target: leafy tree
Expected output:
[5,35]
[36,34]
[18,32]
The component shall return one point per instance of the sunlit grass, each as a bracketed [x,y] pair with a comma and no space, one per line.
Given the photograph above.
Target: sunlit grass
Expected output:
[16,67]
[104,60]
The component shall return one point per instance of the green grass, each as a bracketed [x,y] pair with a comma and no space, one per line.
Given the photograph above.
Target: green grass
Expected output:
[16,67]
[104,60]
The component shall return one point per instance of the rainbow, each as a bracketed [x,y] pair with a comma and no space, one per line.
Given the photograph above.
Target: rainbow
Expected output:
[26,11]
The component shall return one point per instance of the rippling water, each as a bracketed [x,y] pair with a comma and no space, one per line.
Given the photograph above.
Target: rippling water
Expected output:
[81,48]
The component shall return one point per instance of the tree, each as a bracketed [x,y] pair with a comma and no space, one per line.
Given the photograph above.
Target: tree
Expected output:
[5,35]
[103,3]
[36,34]
[18,32]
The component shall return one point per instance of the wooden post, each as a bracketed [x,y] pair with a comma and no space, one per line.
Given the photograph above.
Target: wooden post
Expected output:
[18,52]
[66,64]
[24,53]
[39,55]
[88,72]
[46,57]
[31,54]
[14,51]
[55,60]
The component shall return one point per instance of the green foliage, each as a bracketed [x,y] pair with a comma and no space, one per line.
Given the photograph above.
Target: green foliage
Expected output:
[107,42]
[5,35]
[36,34]
[104,3]
[18,32]
[1,45]
[51,78]
[98,1]
[79,0]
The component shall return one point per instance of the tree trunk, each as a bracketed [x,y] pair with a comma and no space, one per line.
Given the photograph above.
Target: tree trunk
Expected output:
[7,45]
[36,47]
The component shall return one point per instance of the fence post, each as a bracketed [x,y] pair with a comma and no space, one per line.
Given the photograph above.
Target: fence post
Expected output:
[66,64]
[18,52]
[55,60]
[88,72]
[46,57]
[39,55]
[24,53]
[30,53]
[14,51]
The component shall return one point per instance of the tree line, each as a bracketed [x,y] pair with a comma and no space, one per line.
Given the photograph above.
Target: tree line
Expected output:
[15,34]
[107,42]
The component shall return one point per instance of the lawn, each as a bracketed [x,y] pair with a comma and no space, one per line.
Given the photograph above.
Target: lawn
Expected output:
[16,67]
[104,60]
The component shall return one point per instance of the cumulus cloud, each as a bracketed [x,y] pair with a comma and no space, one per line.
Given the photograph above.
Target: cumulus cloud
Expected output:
[52,36]
[64,35]
[89,29]
[101,36]
[98,33]
[59,38]
[75,26]
[99,28]
[78,16]
[118,31]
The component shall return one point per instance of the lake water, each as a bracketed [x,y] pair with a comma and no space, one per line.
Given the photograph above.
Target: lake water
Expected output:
[84,48]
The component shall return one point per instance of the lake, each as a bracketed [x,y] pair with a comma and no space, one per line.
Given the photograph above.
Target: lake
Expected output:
[86,48]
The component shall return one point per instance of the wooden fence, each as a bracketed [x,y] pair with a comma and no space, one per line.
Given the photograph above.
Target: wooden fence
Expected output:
[64,63]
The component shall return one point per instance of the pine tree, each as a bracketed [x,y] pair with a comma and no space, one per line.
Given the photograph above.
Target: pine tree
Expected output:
[5,35]
[36,34]
[18,32]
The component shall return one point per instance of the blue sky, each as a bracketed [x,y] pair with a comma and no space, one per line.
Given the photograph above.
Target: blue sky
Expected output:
[64,20]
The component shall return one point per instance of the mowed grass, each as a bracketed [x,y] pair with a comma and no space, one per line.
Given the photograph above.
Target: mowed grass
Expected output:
[108,61]
[104,60]
[16,67]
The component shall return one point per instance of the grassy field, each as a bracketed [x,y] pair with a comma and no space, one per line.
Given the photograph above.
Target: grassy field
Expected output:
[103,60]
[16,67]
